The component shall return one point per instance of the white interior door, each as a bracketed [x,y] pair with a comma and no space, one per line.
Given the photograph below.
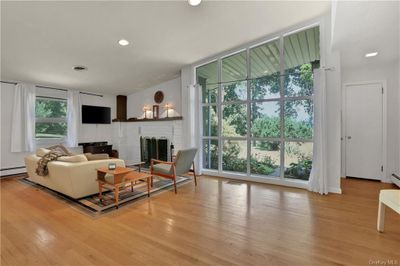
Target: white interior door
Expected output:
[364,130]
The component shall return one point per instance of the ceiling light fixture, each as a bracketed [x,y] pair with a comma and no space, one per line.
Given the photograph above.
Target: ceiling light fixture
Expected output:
[123,42]
[79,68]
[371,54]
[194,2]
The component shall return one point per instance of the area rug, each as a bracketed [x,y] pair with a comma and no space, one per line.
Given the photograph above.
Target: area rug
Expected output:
[126,195]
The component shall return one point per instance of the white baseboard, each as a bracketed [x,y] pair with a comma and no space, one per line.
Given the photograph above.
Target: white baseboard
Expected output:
[5,173]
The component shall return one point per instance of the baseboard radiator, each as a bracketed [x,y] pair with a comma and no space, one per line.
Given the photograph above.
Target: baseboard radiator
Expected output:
[396,179]
[10,171]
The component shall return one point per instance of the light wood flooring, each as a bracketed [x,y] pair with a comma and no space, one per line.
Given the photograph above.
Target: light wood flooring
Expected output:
[219,222]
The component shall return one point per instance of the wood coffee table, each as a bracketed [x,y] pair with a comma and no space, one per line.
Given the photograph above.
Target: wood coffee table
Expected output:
[122,176]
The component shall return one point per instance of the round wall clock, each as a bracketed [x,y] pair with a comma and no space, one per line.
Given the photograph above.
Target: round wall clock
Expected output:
[159,97]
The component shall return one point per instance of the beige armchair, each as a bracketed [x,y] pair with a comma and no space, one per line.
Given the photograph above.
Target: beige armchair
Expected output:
[181,165]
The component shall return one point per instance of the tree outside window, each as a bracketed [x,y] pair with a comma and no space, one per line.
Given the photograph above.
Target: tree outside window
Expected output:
[51,118]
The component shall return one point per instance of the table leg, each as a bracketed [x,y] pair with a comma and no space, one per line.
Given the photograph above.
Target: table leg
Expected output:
[148,187]
[100,192]
[381,216]
[116,188]
[132,186]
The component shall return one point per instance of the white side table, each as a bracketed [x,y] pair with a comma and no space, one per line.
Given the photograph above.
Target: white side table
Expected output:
[390,198]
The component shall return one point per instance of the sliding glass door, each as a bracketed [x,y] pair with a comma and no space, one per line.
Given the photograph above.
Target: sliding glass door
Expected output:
[257,108]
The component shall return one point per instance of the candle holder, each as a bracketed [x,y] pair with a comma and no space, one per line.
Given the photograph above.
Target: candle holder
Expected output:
[146,109]
[168,107]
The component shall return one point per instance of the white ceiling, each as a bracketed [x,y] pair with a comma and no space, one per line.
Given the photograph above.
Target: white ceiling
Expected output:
[366,26]
[42,41]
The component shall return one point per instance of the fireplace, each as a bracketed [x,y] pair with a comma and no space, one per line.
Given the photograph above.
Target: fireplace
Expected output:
[153,148]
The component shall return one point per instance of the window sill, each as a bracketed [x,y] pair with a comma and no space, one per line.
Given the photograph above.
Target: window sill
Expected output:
[49,142]
[260,179]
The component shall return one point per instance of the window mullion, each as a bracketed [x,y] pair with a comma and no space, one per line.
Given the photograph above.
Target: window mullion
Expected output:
[219,115]
[282,107]
[248,122]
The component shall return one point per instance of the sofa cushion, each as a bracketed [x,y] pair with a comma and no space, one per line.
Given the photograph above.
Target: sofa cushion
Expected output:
[73,159]
[97,156]
[41,152]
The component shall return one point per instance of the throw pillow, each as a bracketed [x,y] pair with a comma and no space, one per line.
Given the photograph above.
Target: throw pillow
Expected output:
[73,159]
[97,156]
[61,148]
[42,152]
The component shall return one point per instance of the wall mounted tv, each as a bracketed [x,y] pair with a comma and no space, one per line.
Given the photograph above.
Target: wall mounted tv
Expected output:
[96,114]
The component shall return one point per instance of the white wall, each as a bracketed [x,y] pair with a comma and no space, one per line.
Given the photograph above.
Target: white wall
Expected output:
[87,133]
[172,94]
[389,73]
[98,132]
[126,135]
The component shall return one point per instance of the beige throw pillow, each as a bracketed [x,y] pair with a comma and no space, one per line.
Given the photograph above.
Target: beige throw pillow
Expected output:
[42,152]
[60,148]
[73,159]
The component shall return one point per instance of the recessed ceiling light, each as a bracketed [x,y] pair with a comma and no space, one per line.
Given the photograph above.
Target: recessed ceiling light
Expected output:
[79,68]
[371,54]
[194,2]
[123,42]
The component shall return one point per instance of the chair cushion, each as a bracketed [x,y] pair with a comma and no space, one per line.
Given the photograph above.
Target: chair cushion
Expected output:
[162,169]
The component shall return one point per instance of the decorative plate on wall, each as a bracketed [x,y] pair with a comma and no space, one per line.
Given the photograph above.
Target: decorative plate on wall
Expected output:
[158,97]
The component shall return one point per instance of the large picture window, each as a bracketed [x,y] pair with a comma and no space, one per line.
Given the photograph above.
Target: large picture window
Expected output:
[51,118]
[257,108]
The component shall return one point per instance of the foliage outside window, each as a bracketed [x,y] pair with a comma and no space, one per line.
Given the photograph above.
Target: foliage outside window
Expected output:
[51,118]
[258,108]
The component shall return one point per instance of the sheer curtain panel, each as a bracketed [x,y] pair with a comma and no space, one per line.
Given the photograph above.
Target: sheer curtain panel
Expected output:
[318,177]
[23,120]
[73,117]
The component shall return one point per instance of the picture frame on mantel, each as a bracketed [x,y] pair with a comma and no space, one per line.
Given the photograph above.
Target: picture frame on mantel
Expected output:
[156,111]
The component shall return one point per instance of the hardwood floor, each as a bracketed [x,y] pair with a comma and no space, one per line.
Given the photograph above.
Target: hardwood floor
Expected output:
[220,222]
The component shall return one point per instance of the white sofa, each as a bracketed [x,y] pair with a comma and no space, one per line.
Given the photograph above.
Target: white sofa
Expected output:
[76,180]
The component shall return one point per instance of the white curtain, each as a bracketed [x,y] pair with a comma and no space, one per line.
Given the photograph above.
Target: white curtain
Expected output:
[73,117]
[318,177]
[23,118]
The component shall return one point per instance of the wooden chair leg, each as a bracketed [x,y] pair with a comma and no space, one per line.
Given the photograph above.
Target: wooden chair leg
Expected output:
[148,186]
[194,174]
[175,184]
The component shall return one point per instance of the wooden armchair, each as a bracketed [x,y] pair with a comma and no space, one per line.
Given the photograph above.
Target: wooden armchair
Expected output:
[181,165]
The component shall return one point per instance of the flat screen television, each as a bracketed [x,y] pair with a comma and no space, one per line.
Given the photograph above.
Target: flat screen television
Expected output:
[96,114]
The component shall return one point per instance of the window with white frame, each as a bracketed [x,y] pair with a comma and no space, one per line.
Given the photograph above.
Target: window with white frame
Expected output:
[51,118]
[257,108]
